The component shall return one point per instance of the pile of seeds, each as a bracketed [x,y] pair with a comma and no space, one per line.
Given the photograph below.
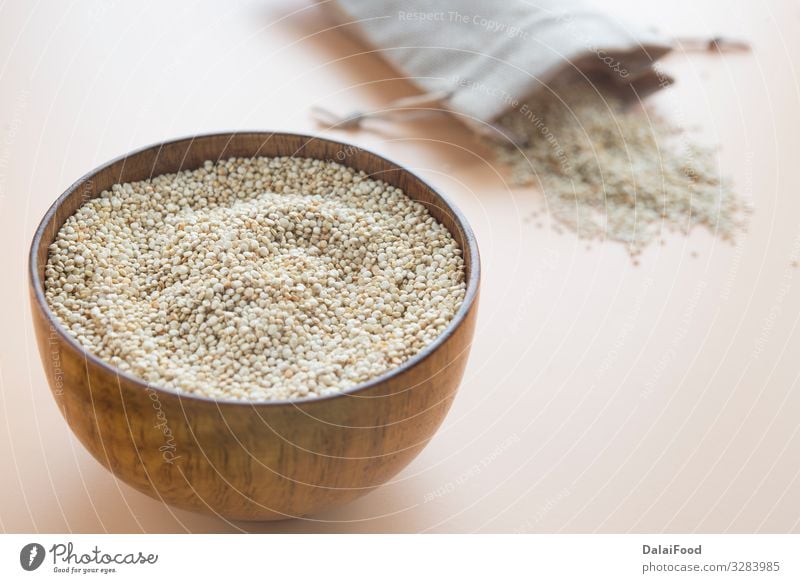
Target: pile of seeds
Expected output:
[612,170]
[255,279]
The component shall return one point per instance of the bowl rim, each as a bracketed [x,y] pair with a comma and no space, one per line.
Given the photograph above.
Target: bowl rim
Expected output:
[471,293]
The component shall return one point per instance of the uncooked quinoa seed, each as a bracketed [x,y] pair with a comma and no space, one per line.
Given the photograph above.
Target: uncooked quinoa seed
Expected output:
[610,170]
[255,278]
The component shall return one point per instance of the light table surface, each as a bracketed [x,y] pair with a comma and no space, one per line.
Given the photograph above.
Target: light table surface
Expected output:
[599,396]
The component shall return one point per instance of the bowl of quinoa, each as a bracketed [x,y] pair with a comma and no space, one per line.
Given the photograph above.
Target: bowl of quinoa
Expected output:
[255,325]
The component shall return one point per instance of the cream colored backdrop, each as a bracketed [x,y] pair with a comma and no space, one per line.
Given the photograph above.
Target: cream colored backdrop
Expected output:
[599,396]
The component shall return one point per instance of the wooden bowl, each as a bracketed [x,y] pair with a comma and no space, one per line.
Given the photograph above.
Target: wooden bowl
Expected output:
[251,461]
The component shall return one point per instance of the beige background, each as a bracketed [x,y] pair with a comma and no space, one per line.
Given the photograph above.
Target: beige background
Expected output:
[599,396]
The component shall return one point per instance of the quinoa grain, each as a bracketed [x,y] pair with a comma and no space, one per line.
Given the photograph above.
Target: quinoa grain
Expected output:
[255,278]
[612,171]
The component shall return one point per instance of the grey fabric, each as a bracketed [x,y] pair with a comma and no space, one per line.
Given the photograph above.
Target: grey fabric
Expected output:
[493,55]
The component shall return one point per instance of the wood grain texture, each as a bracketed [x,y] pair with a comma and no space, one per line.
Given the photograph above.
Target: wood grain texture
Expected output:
[251,461]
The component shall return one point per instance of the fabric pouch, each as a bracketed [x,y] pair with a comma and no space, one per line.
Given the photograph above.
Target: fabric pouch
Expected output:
[480,59]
